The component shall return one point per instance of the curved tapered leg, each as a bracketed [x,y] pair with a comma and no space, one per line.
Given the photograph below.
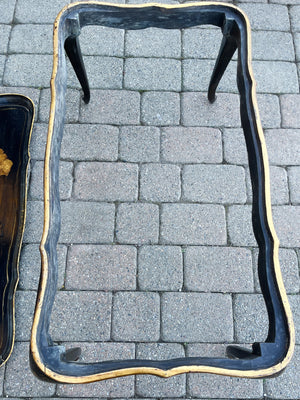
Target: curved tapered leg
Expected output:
[226,52]
[73,51]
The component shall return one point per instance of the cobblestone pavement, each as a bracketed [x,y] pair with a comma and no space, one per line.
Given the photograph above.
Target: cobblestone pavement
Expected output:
[157,257]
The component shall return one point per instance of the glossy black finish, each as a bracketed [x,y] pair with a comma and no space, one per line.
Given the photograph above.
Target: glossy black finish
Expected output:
[265,358]
[16,117]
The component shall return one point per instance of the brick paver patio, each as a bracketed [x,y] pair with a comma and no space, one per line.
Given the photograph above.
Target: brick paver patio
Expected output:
[157,257]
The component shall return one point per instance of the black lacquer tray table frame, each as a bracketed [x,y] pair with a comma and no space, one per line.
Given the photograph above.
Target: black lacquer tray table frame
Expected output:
[16,121]
[51,361]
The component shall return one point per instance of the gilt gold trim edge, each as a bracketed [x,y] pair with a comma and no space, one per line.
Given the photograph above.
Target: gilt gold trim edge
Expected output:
[11,336]
[40,365]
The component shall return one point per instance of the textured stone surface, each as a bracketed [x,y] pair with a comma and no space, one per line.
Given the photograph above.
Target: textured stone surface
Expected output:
[32,39]
[86,222]
[192,317]
[160,268]
[112,107]
[139,144]
[20,381]
[7,11]
[151,386]
[102,40]
[160,108]
[263,16]
[240,229]
[295,14]
[72,105]
[35,71]
[4,32]
[218,269]
[193,224]
[294,179]
[160,182]
[136,317]
[289,107]
[153,42]
[106,181]
[137,223]
[279,77]
[81,316]
[97,267]
[287,225]
[197,111]
[191,145]
[99,142]
[221,184]
[152,74]
[283,145]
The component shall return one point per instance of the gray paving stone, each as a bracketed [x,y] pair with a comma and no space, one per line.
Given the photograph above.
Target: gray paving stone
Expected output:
[262,16]
[197,111]
[112,107]
[218,269]
[86,222]
[269,110]
[191,145]
[65,183]
[137,223]
[196,76]
[101,40]
[283,145]
[153,42]
[7,11]
[286,385]
[235,150]
[297,45]
[95,267]
[251,318]
[106,181]
[2,64]
[5,34]
[81,316]
[273,45]
[287,225]
[240,229]
[160,268]
[100,142]
[152,74]
[136,317]
[94,352]
[152,386]
[38,141]
[275,77]
[24,309]
[294,301]
[201,43]
[19,380]
[295,17]
[294,179]
[31,39]
[183,316]
[279,185]
[35,70]
[139,143]
[290,105]
[36,11]
[34,222]
[102,72]
[193,224]
[160,108]
[221,184]
[214,386]
[289,267]
[160,182]
[72,105]
[30,263]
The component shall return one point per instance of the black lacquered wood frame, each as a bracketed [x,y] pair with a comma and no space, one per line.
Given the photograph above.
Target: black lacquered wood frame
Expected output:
[265,359]
[16,120]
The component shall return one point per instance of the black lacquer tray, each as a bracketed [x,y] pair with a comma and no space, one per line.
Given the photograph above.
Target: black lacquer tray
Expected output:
[16,120]
[51,361]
